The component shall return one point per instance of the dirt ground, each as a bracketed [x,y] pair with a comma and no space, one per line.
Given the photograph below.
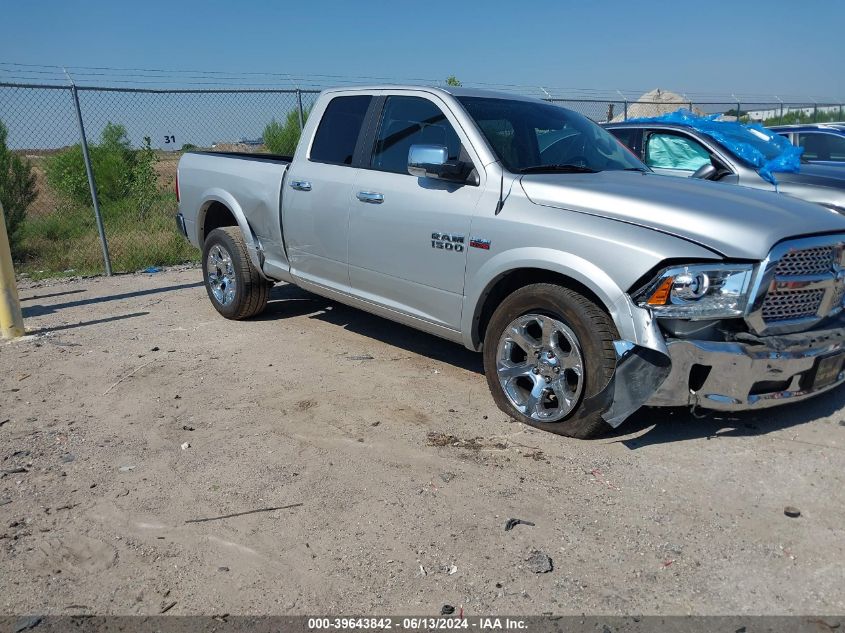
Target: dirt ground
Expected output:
[134,419]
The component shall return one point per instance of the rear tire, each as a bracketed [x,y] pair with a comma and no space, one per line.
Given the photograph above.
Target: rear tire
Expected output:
[236,288]
[547,350]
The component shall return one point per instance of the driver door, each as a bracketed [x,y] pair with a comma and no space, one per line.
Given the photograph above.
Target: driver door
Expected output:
[408,235]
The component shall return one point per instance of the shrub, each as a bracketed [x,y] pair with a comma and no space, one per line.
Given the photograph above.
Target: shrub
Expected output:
[17,189]
[799,116]
[112,161]
[144,186]
[282,138]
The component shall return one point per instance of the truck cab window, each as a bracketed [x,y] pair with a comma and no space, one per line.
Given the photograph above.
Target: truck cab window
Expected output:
[337,135]
[407,121]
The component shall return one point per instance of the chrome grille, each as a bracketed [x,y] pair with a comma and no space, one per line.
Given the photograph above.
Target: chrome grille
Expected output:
[838,297]
[808,261]
[786,305]
[803,284]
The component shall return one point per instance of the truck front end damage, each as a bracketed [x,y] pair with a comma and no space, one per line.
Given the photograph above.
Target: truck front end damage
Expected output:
[753,372]
[733,337]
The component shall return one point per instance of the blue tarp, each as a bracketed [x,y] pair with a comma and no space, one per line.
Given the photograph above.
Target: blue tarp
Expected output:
[762,148]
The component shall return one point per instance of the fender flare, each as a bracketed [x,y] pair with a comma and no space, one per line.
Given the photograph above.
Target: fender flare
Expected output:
[643,360]
[253,247]
[632,323]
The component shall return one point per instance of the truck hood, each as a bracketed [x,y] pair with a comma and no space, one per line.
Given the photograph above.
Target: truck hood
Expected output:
[737,222]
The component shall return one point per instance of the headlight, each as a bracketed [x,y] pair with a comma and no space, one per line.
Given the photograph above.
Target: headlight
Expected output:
[700,291]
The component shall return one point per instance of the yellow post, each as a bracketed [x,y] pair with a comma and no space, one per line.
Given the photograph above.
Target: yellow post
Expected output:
[11,318]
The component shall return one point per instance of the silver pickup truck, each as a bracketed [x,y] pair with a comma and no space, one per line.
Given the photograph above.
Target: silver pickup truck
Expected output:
[523,230]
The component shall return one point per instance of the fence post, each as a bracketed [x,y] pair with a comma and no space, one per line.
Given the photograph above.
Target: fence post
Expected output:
[11,318]
[815,112]
[738,108]
[91,182]
[301,113]
[625,109]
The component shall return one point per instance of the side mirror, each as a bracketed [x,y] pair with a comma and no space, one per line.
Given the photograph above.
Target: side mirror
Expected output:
[432,161]
[705,172]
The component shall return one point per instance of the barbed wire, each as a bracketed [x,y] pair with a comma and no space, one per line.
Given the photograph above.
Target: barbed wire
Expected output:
[194,77]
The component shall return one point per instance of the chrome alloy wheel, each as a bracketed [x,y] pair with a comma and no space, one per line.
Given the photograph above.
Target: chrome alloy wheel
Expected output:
[540,367]
[221,275]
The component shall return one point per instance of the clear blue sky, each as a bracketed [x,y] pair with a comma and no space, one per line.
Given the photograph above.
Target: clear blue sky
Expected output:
[747,47]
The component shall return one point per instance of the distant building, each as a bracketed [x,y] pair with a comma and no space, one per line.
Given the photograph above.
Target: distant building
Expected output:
[762,115]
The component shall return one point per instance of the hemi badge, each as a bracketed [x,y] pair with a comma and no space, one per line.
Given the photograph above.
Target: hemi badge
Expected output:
[479,243]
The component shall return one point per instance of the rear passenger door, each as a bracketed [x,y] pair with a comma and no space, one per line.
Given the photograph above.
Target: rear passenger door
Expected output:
[407,235]
[318,191]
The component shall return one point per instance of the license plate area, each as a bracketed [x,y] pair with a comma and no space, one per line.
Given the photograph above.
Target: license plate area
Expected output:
[828,370]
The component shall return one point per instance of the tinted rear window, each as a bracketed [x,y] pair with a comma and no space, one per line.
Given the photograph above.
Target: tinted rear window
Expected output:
[338,132]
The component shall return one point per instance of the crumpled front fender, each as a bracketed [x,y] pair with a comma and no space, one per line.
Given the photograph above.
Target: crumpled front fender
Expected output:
[642,364]
[639,373]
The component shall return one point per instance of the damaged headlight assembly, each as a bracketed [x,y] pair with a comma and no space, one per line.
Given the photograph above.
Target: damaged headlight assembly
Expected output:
[698,291]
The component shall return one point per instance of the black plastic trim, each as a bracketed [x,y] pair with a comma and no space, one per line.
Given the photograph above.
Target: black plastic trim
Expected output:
[257,156]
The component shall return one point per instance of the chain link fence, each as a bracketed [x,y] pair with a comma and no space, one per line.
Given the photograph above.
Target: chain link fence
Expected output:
[135,138]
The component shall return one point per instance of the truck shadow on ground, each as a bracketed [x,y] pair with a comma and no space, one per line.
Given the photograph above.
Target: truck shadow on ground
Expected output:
[289,301]
[652,426]
[648,426]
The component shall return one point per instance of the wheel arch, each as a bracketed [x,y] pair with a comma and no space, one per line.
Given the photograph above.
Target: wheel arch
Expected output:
[218,209]
[497,279]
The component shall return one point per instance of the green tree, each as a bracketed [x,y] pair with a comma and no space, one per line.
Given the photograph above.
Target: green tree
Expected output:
[451,80]
[17,189]
[282,138]
[113,162]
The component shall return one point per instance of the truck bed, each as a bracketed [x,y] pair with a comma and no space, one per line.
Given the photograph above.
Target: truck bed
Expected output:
[272,158]
[249,185]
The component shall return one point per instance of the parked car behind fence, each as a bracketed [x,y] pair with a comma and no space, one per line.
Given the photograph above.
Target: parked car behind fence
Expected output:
[823,143]
[677,145]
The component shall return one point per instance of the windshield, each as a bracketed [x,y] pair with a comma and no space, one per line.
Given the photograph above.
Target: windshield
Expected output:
[529,136]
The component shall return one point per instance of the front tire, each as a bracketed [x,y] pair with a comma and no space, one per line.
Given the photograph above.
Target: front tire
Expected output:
[236,288]
[547,351]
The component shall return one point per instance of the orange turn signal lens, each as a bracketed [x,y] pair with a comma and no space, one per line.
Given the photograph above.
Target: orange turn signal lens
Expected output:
[660,297]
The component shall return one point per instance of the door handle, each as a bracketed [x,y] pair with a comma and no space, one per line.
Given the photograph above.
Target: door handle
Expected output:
[370,196]
[300,185]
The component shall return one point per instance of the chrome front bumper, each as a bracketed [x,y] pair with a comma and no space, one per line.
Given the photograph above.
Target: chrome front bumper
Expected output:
[754,372]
